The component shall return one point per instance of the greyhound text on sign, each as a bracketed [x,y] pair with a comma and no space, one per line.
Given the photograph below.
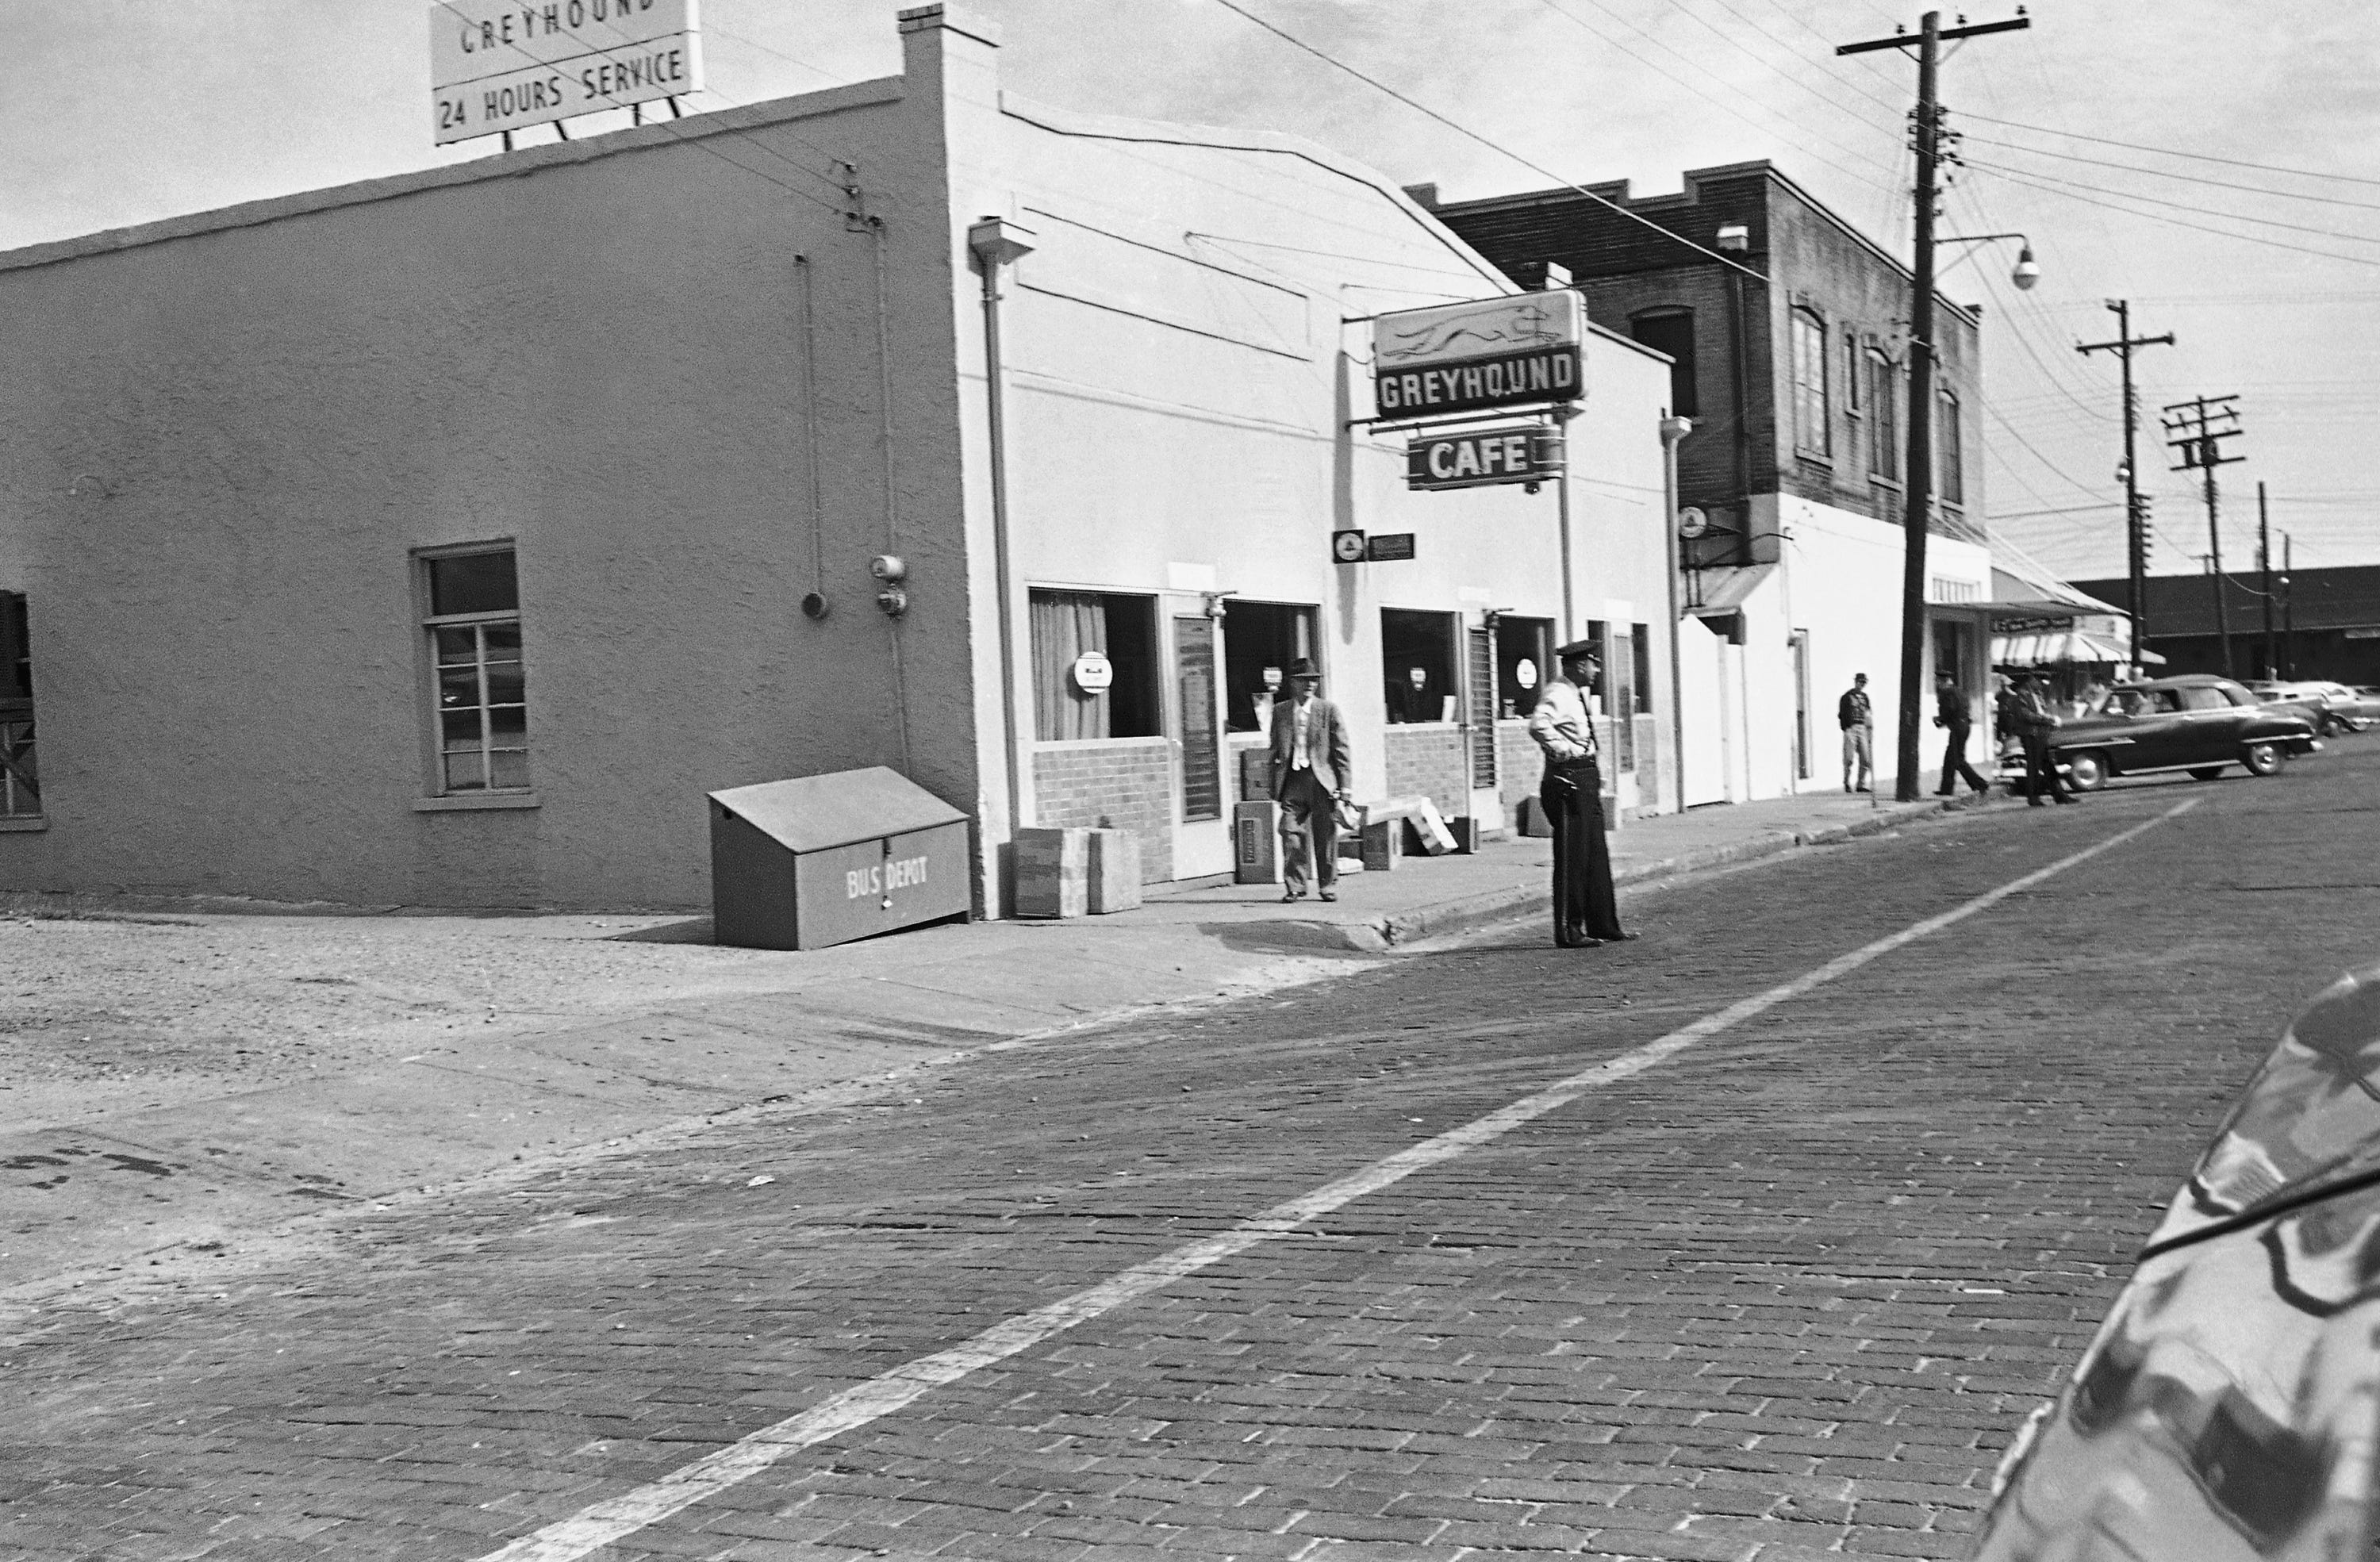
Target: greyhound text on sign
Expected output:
[1492,352]
[500,66]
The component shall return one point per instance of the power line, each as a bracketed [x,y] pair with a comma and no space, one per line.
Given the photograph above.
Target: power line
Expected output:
[1707,97]
[2185,206]
[2172,152]
[2167,174]
[1472,135]
[2017,179]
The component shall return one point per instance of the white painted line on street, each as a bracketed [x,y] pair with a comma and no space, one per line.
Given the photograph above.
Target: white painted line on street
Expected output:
[595,1526]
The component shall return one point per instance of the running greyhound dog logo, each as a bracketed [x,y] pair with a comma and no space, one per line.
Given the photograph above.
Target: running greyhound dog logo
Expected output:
[1521,324]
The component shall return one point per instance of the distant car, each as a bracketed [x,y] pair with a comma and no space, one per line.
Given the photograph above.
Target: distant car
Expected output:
[2331,708]
[2195,722]
[2367,702]
[2224,1413]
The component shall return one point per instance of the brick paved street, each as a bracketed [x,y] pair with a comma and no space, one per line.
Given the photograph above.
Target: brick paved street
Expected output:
[1782,1295]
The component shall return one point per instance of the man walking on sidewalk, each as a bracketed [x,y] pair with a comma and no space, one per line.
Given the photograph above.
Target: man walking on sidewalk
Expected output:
[1951,714]
[2030,717]
[1586,911]
[1312,770]
[1856,715]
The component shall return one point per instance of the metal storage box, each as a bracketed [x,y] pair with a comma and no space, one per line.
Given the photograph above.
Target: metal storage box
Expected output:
[821,860]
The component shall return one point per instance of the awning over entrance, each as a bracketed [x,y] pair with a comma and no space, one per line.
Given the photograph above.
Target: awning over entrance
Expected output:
[1714,593]
[2060,649]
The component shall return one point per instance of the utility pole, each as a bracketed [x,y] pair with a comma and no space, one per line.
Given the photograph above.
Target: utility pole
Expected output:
[2196,429]
[2264,560]
[2288,611]
[2136,520]
[1918,476]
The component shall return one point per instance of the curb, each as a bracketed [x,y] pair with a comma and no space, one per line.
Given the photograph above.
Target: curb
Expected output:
[1472,912]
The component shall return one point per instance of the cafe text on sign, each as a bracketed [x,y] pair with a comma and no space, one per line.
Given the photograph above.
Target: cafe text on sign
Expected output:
[498,65]
[1491,352]
[1477,457]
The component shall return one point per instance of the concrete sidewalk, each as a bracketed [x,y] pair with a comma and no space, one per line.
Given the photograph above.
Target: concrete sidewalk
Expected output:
[97,1180]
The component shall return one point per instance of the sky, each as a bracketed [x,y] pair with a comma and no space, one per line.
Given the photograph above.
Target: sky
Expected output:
[2216,163]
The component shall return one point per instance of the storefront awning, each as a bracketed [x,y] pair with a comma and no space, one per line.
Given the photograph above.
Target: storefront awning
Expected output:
[1714,593]
[2060,649]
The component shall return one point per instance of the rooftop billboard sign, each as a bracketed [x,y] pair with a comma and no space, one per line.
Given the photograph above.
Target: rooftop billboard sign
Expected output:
[1513,351]
[498,65]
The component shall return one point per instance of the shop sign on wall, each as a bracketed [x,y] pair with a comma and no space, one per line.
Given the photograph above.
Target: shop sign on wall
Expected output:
[1490,352]
[1477,457]
[1094,673]
[498,65]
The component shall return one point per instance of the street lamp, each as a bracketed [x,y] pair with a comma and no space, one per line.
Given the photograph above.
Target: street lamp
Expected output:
[2027,272]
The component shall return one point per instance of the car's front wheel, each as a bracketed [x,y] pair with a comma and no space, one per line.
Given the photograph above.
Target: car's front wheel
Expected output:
[2326,725]
[2087,770]
[2262,758]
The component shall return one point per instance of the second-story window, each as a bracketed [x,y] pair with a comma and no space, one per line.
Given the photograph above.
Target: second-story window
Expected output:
[1672,331]
[1954,487]
[1811,434]
[1883,417]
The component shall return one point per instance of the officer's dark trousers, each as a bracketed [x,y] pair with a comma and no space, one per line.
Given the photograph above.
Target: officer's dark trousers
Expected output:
[2041,777]
[1584,906]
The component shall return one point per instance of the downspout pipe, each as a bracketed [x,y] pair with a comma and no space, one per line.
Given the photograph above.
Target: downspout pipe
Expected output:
[1673,430]
[996,242]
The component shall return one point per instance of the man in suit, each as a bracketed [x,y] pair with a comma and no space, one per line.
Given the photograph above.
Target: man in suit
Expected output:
[1586,911]
[1311,774]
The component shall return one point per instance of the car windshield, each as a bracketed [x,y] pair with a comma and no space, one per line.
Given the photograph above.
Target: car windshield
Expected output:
[2310,1119]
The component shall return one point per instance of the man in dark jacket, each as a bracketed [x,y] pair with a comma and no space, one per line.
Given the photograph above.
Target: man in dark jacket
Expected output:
[2029,715]
[1856,713]
[1951,714]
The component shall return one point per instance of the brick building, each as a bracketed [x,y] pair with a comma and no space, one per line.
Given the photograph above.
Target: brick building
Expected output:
[1795,379]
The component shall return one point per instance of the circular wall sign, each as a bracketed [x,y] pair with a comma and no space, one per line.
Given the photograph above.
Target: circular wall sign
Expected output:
[1524,673]
[1347,547]
[1692,522]
[1093,671]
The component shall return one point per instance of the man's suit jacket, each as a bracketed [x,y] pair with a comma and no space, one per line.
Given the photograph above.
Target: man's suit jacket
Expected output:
[1333,766]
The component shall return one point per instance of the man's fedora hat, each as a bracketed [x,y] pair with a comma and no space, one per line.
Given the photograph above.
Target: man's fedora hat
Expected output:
[1577,649]
[1304,668]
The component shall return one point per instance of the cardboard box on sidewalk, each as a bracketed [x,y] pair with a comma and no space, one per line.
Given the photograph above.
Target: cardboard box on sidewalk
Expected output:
[1114,871]
[1052,872]
[1256,842]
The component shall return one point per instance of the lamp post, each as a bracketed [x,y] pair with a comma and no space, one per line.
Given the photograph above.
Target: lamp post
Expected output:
[2027,271]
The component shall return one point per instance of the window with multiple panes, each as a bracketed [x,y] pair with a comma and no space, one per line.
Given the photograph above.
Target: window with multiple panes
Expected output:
[1883,417]
[20,781]
[1811,434]
[478,687]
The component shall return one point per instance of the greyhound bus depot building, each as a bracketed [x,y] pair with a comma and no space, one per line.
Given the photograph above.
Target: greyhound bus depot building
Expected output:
[442,539]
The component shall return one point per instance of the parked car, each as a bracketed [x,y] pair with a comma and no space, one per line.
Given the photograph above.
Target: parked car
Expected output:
[2226,1409]
[2331,708]
[2195,722]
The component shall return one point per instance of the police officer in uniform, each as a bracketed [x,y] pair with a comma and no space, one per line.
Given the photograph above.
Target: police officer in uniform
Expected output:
[1586,913]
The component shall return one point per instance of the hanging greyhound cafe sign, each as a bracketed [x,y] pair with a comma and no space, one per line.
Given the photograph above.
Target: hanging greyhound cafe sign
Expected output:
[1490,352]
[498,65]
